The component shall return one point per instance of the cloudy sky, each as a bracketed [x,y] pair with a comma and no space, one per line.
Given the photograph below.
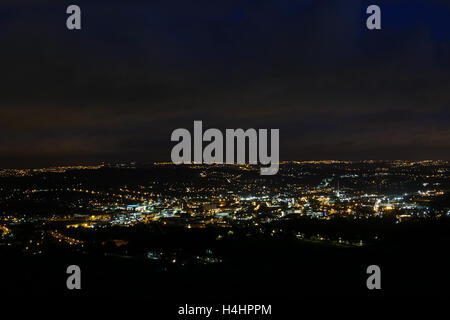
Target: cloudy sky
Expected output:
[137,70]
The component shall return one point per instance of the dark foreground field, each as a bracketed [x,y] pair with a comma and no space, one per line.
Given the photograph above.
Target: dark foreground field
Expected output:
[413,262]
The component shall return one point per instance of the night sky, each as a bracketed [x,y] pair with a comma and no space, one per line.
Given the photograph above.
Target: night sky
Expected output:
[115,90]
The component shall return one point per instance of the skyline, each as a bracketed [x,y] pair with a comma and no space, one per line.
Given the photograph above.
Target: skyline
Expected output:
[132,163]
[18,171]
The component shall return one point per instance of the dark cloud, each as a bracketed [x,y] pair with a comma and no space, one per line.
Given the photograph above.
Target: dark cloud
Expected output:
[138,70]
